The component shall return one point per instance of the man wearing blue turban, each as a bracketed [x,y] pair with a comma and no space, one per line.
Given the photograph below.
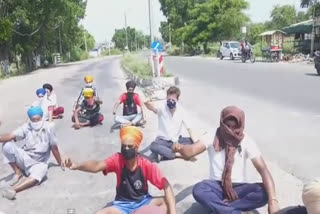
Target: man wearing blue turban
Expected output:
[43,103]
[32,159]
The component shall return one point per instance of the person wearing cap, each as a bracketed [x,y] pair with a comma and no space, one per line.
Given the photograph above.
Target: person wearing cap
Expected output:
[57,111]
[44,103]
[32,159]
[130,101]
[88,113]
[133,173]
[88,79]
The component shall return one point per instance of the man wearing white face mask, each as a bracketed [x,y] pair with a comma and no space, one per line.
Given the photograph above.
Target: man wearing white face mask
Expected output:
[32,159]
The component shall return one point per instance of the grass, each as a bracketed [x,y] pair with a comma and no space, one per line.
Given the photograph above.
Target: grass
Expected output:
[137,66]
[112,52]
[140,67]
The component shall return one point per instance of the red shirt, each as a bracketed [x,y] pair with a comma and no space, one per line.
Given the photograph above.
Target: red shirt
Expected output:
[133,185]
[136,99]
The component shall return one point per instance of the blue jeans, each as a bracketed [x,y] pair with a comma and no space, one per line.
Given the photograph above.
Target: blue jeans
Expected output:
[127,207]
[209,193]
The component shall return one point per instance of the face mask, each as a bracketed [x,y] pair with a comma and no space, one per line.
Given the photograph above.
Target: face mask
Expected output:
[171,104]
[89,84]
[129,153]
[36,125]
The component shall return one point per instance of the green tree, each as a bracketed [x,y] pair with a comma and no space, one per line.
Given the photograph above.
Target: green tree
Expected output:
[282,16]
[254,31]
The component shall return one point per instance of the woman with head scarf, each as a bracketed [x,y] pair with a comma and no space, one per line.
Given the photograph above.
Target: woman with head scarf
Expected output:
[130,100]
[88,113]
[33,158]
[57,111]
[133,174]
[227,191]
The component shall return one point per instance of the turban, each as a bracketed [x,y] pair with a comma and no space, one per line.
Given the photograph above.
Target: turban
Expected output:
[41,91]
[33,111]
[131,133]
[131,84]
[88,92]
[88,79]
[311,197]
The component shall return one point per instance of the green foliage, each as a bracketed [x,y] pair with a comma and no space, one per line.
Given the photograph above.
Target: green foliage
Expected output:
[112,52]
[78,54]
[257,48]
[136,39]
[40,26]
[288,48]
[254,31]
[283,16]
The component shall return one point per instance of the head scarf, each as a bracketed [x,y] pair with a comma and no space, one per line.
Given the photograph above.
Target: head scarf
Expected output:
[131,133]
[41,91]
[88,79]
[229,140]
[88,92]
[131,84]
[311,197]
[48,86]
[33,111]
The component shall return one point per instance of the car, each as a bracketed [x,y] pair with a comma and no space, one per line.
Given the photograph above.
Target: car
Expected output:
[230,49]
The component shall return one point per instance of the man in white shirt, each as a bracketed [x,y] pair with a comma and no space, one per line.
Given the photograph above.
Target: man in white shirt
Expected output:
[33,158]
[171,119]
[227,190]
[57,111]
[43,103]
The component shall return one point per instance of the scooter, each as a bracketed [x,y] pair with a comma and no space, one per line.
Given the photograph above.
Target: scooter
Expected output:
[317,61]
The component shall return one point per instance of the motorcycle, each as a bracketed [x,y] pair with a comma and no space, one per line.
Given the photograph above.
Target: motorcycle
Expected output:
[317,61]
[247,55]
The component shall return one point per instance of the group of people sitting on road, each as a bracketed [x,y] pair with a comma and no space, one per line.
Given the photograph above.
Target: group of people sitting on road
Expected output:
[229,150]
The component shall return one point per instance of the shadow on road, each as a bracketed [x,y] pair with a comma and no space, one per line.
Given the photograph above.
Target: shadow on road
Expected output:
[197,208]
[312,74]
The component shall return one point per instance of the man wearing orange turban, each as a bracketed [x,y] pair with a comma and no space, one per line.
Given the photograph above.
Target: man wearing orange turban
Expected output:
[133,173]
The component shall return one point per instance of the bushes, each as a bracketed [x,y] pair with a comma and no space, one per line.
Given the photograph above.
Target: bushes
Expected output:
[112,52]
[288,48]
[137,66]
[78,54]
[140,67]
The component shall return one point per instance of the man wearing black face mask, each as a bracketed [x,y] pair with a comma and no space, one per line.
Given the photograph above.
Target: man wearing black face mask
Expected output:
[130,101]
[171,118]
[133,173]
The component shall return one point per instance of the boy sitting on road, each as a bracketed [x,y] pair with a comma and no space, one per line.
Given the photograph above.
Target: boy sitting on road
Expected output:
[88,113]
[130,101]
[133,174]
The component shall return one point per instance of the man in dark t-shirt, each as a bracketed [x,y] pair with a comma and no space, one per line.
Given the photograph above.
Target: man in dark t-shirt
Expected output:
[130,114]
[133,173]
[88,113]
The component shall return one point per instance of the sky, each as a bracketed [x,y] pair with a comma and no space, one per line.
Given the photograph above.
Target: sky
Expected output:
[104,16]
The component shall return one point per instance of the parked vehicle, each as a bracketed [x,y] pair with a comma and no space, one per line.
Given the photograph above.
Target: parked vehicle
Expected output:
[317,61]
[247,54]
[230,49]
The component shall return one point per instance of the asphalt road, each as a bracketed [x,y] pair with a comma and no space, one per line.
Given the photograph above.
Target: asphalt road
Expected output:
[281,102]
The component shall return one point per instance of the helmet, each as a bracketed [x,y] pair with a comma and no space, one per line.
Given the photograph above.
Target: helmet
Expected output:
[88,92]
[88,79]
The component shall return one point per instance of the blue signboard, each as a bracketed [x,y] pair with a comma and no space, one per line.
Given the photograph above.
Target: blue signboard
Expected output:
[156,46]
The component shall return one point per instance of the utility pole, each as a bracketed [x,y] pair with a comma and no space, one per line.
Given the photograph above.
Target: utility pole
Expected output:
[125,23]
[85,41]
[150,22]
[312,33]
[109,43]
[60,45]
[170,34]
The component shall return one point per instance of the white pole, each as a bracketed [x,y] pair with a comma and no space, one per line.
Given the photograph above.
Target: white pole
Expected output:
[150,22]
